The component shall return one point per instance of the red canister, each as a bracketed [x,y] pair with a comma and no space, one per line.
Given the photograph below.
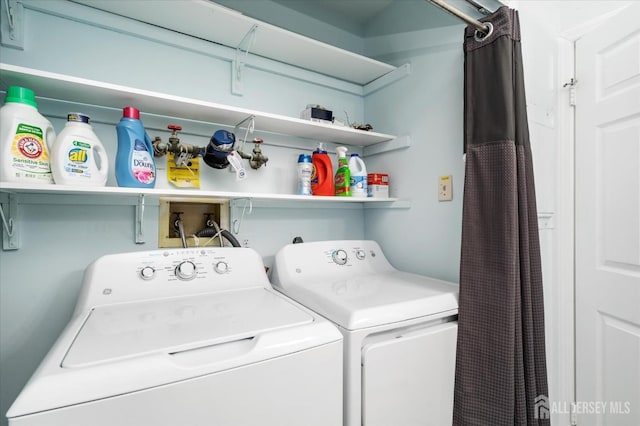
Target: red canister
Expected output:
[378,185]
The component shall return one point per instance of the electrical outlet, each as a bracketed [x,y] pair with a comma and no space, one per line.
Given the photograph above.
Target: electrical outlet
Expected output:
[445,188]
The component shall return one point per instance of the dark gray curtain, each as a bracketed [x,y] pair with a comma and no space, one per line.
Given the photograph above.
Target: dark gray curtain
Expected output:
[501,376]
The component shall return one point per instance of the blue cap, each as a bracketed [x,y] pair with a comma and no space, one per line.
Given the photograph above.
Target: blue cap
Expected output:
[355,154]
[304,158]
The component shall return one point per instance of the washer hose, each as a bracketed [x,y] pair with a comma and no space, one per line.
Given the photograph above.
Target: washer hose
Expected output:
[211,232]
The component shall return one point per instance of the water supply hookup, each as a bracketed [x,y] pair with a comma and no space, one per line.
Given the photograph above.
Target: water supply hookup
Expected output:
[215,153]
[257,159]
[182,152]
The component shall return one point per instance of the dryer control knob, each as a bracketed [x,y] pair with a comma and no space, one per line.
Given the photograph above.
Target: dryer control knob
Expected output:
[360,254]
[147,273]
[186,271]
[221,267]
[339,256]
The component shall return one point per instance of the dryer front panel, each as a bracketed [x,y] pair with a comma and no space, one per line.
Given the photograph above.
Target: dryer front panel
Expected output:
[408,380]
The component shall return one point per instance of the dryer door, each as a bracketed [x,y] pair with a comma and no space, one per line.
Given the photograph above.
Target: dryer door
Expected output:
[409,380]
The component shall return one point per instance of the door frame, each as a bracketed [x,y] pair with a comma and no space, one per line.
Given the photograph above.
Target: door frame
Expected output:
[564,293]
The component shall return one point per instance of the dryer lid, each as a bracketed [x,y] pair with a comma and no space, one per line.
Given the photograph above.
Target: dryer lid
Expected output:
[125,330]
[370,300]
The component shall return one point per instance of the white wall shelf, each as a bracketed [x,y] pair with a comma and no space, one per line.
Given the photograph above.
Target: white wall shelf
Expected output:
[209,21]
[15,193]
[26,188]
[79,90]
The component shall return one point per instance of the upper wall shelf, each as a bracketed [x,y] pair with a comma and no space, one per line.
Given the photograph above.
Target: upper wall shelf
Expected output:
[91,92]
[209,21]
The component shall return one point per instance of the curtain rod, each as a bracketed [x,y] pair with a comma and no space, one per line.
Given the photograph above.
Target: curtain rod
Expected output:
[483,28]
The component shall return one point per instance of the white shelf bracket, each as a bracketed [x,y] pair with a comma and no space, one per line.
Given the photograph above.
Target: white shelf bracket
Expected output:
[250,119]
[396,144]
[139,237]
[12,24]
[236,222]
[387,79]
[10,230]
[249,124]
[237,66]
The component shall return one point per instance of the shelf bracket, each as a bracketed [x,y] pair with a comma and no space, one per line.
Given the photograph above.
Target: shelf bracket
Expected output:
[10,230]
[139,237]
[237,65]
[387,79]
[236,222]
[12,24]
[250,118]
[396,144]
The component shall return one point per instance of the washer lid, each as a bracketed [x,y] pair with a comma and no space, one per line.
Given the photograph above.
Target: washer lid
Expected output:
[114,332]
[369,300]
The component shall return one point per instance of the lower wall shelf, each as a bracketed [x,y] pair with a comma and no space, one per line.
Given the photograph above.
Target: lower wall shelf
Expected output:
[21,188]
[13,194]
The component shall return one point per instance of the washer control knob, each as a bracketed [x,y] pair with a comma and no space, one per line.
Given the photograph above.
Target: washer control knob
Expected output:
[147,273]
[221,267]
[186,270]
[339,256]
[360,254]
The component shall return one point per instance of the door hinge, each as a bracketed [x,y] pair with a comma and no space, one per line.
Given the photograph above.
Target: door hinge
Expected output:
[573,417]
[572,90]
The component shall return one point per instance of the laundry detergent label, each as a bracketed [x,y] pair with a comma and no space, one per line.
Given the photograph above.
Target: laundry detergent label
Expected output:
[29,152]
[78,159]
[142,164]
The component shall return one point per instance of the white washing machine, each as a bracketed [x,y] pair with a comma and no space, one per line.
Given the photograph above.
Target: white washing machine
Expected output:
[186,337]
[400,329]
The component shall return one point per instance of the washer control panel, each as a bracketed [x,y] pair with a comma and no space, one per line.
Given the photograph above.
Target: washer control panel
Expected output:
[172,272]
[186,265]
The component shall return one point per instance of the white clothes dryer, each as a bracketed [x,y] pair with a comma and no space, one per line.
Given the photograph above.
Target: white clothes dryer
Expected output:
[400,329]
[186,337]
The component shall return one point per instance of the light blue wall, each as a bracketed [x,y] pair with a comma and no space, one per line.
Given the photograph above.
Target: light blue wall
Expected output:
[427,106]
[60,235]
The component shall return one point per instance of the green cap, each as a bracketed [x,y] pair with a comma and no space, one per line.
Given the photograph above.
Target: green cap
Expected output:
[21,95]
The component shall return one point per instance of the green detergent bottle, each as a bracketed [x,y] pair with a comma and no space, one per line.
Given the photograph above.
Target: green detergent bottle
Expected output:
[343,175]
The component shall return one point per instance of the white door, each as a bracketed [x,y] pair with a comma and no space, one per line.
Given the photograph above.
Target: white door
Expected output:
[608,222]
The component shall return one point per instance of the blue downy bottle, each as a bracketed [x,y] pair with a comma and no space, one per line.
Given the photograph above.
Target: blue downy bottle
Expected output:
[135,166]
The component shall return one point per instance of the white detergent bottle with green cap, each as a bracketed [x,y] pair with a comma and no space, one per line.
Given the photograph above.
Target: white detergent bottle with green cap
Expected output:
[342,181]
[25,138]
[77,157]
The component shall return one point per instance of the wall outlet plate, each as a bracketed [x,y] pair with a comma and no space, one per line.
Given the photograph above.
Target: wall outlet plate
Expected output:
[445,188]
